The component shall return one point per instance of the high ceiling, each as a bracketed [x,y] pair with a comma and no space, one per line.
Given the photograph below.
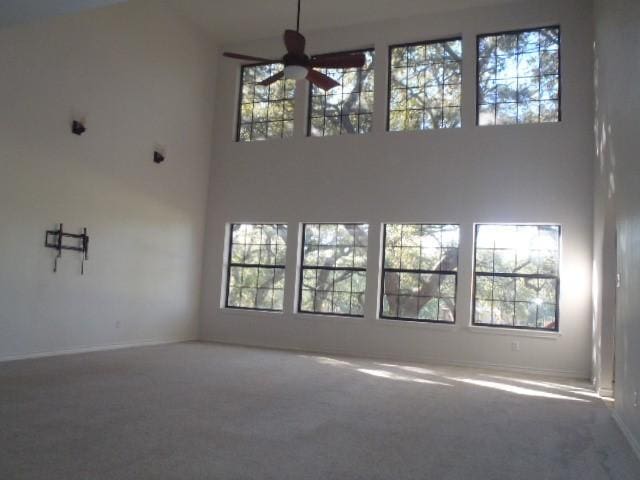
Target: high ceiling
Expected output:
[14,12]
[242,20]
[231,21]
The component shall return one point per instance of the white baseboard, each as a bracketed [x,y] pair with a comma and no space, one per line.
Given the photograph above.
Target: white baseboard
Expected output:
[602,390]
[633,441]
[93,348]
[422,359]
[605,392]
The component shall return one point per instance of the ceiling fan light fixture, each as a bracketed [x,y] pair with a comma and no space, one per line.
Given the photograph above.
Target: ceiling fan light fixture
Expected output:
[295,72]
[298,65]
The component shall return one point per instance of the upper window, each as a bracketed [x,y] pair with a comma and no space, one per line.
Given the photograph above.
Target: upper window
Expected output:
[346,108]
[265,111]
[256,265]
[519,77]
[334,269]
[419,274]
[425,85]
[516,276]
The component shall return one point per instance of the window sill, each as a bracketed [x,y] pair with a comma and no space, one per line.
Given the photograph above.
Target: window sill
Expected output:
[248,311]
[521,125]
[513,332]
[310,316]
[445,327]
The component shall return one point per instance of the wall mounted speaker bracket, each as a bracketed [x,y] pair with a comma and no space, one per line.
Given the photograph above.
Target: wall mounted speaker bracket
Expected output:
[77,127]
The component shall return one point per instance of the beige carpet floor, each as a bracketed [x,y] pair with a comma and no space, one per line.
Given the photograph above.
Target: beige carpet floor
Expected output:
[207,411]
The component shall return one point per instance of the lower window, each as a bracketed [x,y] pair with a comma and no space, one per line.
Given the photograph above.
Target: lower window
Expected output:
[334,269]
[419,274]
[516,276]
[256,265]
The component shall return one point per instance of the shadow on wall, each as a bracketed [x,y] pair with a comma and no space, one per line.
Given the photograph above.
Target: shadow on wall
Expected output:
[602,132]
[604,263]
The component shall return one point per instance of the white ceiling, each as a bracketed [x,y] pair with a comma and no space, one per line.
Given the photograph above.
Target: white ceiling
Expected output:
[13,12]
[233,21]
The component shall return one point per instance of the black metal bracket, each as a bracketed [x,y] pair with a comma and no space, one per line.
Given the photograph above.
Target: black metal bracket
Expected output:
[78,127]
[55,239]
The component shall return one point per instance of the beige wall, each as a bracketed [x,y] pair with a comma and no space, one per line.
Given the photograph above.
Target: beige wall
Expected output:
[527,173]
[140,76]
[617,42]
[143,77]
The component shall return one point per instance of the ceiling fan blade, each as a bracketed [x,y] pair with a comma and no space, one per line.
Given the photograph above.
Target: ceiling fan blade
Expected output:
[294,41]
[339,60]
[272,78]
[239,56]
[321,80]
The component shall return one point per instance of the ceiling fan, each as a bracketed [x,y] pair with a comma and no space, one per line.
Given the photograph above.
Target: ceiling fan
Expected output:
[299,65]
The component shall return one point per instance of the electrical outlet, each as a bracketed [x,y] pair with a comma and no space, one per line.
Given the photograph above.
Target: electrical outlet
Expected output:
[118,324]
[515,346]
[635,399]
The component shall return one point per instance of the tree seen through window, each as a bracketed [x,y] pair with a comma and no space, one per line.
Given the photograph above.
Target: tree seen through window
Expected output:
[256,266]
[346,108]
[519,77]
[419,276]
[516,277]
[425,85]
[265,111]
[334,268]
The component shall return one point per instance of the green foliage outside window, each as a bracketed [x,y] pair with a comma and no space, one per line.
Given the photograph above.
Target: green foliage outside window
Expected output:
[426,86]
[519,77]
[347,108]
[516,276]
[420,272]
[334,266]
[257,257]
[265,111]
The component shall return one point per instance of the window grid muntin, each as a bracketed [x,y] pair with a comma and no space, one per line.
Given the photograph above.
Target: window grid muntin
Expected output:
[359,270]
[316,93]
[420,271]
[442,85]
[539,101]
[275,267]
[287,101]
[534,276]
